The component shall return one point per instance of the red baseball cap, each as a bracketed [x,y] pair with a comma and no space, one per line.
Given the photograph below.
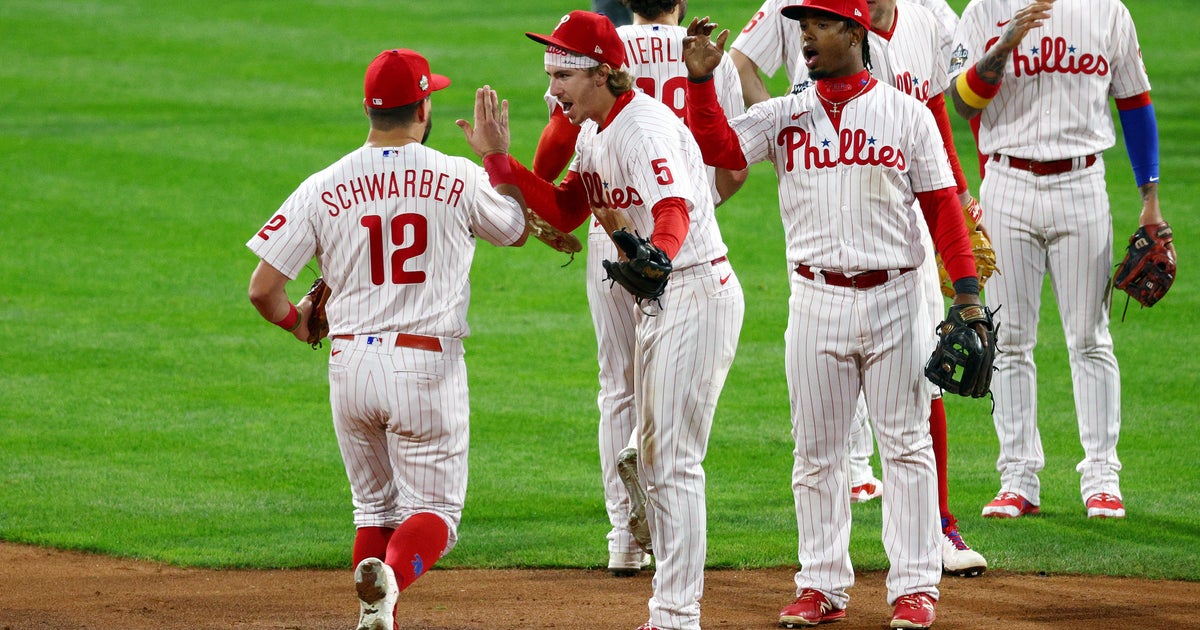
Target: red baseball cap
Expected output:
[399,77]
[853,9]
[589,34]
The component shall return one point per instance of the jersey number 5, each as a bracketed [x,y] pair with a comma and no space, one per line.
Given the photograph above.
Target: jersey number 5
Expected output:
[410,233]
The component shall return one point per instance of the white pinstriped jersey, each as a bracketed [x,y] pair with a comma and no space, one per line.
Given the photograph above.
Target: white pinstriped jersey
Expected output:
[655,56]
[846,196]
[394,232]
[645,155]
[944,13]
[913,60]
[1094,50]
[771,40]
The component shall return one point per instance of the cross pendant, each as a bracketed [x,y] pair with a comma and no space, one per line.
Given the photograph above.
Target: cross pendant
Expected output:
[834,110]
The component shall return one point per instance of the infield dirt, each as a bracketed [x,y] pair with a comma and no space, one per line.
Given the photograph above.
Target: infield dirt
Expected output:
[44,588]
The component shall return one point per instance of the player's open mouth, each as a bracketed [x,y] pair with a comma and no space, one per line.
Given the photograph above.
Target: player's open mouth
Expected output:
[566,107]
[810,55]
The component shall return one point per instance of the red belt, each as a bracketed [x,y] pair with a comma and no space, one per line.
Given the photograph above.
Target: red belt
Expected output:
[1053,167]
[864,280]
[403,340]
[717,261]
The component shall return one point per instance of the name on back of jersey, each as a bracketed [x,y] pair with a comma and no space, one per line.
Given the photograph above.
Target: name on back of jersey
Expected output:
[421,183]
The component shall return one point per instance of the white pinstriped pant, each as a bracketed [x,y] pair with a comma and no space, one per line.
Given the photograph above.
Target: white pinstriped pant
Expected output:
[401,416]
[839,341]
[1059,224]
[614,318]
[683,357]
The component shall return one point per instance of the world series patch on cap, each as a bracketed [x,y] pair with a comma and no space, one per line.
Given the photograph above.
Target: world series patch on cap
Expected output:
[400,77]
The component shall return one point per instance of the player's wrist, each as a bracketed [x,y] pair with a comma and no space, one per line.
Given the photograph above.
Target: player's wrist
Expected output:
[291,321]
[499,169]
[967,286]
[700,79]
[974,91]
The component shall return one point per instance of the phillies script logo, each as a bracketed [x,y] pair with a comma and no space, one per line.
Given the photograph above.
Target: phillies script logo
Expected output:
[911,86]
[1055,55]
[599,196]
[854,147]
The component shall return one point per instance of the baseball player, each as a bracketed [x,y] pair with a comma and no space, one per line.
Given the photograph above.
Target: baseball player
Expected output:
[769,41]
[653,47]
[909,51]
[850,155]
[637,159]
[393,225]
[1040,74]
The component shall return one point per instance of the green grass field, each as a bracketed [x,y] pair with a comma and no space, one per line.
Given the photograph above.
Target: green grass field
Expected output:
[147,411]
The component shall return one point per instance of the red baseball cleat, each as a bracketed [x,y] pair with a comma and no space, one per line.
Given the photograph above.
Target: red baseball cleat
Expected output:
[1009,505]
[810,609]
[1105,505]
[914,610]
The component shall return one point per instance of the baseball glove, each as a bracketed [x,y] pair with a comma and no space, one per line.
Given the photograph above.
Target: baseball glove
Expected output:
[1148,269]
[318,322]
[981,246]
[645,272]
[558,240]
[962,361]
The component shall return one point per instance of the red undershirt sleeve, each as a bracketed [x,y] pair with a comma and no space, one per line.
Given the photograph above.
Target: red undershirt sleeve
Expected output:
[555,146]
[937,105]
[671,222]
[718,142]
[945,219]
[564,206]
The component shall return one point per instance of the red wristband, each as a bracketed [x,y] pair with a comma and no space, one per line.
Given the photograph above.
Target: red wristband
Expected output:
[981,88]
[291,321]
[499,170]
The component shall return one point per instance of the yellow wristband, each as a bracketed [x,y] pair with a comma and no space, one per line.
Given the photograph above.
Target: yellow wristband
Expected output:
[968,95]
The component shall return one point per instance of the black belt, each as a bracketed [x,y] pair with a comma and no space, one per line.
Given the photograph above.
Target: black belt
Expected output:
[864,280]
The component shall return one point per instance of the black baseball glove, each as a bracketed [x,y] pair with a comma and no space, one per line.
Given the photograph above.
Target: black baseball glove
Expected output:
[962,361]
[1148,269]
[645,272]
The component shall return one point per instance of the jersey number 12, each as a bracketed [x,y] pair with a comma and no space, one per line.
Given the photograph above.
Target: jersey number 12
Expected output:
[410,233]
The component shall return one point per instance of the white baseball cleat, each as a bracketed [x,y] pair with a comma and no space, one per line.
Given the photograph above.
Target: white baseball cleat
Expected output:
[377,594]
[627,563]
[627,461]
[958,558]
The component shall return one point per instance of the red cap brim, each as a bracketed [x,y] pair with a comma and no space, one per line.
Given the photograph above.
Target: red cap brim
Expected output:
[438,82]
[551,41]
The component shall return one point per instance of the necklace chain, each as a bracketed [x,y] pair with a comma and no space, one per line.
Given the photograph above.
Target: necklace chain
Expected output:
[835,104]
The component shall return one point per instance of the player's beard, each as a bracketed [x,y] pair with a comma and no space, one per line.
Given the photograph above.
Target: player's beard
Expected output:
[428,127]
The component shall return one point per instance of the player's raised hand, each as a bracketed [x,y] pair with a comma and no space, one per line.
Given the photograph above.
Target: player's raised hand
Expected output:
[490,133]
[1026,19]
[701,53]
